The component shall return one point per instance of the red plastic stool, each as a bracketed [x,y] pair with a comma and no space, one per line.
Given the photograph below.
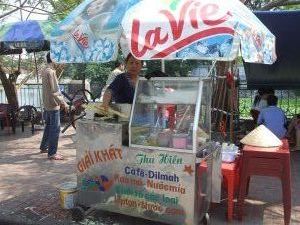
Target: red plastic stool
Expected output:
[273,162]
[230,172]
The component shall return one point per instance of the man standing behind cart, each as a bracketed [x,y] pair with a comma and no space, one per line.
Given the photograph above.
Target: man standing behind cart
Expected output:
[53,101]
[121,90]
[119,69]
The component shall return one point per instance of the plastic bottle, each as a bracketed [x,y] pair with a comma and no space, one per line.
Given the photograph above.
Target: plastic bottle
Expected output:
[190,137]
[165,116]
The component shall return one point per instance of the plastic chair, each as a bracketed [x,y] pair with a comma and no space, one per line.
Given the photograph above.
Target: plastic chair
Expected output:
[7,115]
[230,172]
[273,162]
[27,113]
[4,119]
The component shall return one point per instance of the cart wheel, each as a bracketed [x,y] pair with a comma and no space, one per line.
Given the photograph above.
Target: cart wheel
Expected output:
[206,219]
[78,213]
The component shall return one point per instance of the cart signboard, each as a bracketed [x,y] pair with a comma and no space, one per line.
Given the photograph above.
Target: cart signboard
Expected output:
[156,185]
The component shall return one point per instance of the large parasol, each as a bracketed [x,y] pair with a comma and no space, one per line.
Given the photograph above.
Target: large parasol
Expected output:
[162,29]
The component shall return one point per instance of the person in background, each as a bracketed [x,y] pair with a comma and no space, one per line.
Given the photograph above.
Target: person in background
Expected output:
[121,90]
[273,117]
[260,102]
[293,132]
[119,69]
[53,101]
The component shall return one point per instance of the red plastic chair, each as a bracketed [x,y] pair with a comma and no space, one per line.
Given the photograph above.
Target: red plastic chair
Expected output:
[5,115]
[273,162]
[230,172]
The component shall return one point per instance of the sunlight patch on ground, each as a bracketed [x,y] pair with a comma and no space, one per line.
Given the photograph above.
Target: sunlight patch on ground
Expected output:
[255,202]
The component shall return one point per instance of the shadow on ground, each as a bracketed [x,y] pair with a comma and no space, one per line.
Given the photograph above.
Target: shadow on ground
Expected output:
[29,188]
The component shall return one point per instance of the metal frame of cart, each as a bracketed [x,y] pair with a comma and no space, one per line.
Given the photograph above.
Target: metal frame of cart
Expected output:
[157,183]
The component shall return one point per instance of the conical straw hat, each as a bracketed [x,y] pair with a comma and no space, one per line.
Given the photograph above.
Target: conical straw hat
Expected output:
[261,137]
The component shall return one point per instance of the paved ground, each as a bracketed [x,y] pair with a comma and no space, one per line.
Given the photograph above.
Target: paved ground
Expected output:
[29,182]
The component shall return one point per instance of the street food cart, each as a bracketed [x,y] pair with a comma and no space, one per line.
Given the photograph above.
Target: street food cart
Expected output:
[156,176]
[165,174]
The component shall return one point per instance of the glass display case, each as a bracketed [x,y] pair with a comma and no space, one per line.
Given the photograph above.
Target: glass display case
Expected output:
[171,113]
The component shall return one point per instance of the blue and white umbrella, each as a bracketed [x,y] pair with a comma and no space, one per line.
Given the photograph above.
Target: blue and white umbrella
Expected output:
[162,29]
[30,35]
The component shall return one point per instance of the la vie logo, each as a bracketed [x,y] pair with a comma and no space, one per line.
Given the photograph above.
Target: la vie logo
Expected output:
[185,23]
[81,38]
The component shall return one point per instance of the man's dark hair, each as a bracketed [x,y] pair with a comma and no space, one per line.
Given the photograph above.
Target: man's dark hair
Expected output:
[128,57]
[131,56]
[49,60]
[260,91]
[269,91]
[266,90]
[272,100]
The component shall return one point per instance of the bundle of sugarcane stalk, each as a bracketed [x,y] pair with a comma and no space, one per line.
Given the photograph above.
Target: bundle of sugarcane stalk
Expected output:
[225,99]
[102,112]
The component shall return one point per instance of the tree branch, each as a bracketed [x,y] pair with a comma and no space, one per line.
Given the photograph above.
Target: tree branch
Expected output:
[273,4]
[30,10]
[21,14]
[30,7]
[246,2]
[34,7]
[60,6]
[280,3]
[13,10]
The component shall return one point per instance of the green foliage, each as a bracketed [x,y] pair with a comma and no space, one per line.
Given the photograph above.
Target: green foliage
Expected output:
[290,7]
[4,5]
[10,62]
[173,68]
[61,8]
[96,72]
[290,106]
[272,4]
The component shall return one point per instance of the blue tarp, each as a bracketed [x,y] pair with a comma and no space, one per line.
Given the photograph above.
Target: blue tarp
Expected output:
[285,72]
[30,35]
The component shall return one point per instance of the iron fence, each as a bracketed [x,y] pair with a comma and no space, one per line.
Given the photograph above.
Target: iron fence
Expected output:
[288,101]
[28,94]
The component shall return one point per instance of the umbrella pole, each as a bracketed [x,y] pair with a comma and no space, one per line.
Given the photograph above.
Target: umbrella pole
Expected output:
[38,85]
[163,66]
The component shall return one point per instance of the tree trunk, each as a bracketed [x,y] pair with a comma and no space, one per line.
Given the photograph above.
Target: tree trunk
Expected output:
[9,85]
